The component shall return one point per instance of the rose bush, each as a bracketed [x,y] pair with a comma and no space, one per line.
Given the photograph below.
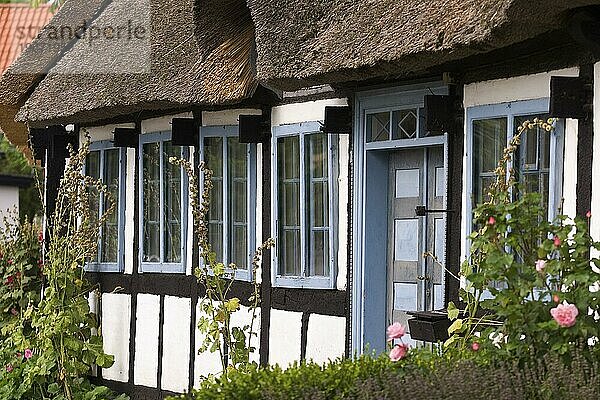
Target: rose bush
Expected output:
[521,265]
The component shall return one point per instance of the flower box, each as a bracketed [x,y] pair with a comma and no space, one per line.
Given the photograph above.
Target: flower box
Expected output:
[429,326]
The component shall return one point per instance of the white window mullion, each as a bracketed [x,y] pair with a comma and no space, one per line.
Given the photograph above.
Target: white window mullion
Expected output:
[250,213]
[162,202]
[100,204]
[303,206]
[225,185]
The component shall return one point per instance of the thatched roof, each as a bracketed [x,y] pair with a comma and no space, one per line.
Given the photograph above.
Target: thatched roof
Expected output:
[29,68]
[307,42]
[197,52]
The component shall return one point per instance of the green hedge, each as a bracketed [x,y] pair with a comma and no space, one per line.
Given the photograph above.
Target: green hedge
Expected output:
[423,375]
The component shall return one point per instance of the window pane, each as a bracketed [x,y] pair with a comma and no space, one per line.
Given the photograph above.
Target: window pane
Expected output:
[151,202]
[238,202]
[317,187]
[533,168]
[489,141]
[110,232]
[213,156]
[172,206]
[92,169]
[404,124]
[288,177]
[378,127]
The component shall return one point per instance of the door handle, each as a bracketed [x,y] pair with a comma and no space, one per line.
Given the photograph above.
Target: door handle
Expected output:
[421,211]
[424,277]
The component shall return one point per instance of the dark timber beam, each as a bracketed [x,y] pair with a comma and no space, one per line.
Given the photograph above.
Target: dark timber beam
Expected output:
[454,194]
[585,148]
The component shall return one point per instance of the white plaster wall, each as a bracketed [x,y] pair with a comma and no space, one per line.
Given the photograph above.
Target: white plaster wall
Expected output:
[116,316]
[595,221]
[146,340]
[226,117]
[161,124]
[243,317]
[301,112]
[9,203]
[206,363]
[519,88]
[284,337]
[176,344]
[570,168]
[104,132]
[326,338]
[342,207]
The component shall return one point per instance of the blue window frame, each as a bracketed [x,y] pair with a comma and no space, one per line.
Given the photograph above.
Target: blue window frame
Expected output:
[538,162]
[163,205]
[232,212]
[107,164]
[304,206]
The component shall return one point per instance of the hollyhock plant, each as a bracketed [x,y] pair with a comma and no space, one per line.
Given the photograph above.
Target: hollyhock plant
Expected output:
[395,331]
[398,352]
[565,314]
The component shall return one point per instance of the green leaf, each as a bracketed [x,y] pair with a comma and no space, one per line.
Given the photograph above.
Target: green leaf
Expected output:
[452,311]
[456,326]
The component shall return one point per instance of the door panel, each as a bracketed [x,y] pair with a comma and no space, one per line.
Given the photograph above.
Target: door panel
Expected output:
[416,177]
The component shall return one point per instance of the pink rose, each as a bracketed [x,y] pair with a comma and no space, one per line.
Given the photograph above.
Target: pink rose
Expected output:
[398,352]
[557,241]
[395,331]
[28,354]
[475,346]
[565,314]
[540,265]
[9,368]
[491,221]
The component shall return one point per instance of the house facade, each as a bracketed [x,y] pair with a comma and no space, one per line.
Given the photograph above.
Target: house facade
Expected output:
[426,106]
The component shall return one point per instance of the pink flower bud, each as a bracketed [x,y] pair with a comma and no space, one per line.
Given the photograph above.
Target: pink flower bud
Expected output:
[475,346]
[28,354]
[557,241]
[588,214]
[556,299]
[491,221]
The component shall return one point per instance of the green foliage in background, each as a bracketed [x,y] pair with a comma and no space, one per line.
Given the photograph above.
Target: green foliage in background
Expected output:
[13,162]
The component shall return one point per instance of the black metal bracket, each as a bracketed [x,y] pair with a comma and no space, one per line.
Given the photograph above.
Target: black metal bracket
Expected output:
[421,211]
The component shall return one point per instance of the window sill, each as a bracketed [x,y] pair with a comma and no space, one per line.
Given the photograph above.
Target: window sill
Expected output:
[303,283]
[103,267]
[163,268]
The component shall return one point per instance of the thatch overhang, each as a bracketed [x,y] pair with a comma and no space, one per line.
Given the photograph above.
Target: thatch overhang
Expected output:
[198,52]
[18,81]
[302,43]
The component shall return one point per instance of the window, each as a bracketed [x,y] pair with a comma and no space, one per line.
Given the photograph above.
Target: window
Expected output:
[305,177]
[396,124]
[163,205]
[107,164]
[492,127]
[232,212]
